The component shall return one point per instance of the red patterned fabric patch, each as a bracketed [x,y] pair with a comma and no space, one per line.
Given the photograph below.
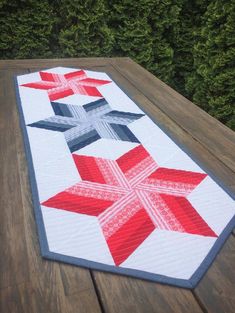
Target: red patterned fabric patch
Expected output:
[131,197]
[60,86]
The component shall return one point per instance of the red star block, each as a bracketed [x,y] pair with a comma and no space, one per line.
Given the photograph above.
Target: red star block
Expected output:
[60,86]
[131,197]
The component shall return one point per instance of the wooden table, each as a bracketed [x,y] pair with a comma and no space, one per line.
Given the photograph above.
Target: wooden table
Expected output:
[31,284]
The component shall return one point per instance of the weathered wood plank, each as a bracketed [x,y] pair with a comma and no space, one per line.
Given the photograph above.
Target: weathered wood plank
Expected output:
[37,297]
[216,289]
[213,135]
[29,283]
[47,63]
[124,294]
[13,270]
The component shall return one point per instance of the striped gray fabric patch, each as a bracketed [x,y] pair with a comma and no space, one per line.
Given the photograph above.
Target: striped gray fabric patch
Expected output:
[85,124]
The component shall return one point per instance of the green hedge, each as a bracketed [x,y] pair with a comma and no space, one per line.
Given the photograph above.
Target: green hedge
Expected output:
[212,80]
[189,44]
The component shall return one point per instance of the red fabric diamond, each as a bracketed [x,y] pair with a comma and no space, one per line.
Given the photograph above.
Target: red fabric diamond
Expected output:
[131,197]
[60,86]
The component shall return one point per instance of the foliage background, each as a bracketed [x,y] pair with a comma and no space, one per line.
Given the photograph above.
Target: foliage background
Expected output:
[189,44]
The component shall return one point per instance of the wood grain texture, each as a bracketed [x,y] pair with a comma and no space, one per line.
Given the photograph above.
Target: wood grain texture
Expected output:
[10,201]
[125,294]
[45,63]
[216,291]
[30,284]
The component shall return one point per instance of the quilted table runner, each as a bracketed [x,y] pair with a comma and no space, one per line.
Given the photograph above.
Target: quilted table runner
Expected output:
[111,190]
